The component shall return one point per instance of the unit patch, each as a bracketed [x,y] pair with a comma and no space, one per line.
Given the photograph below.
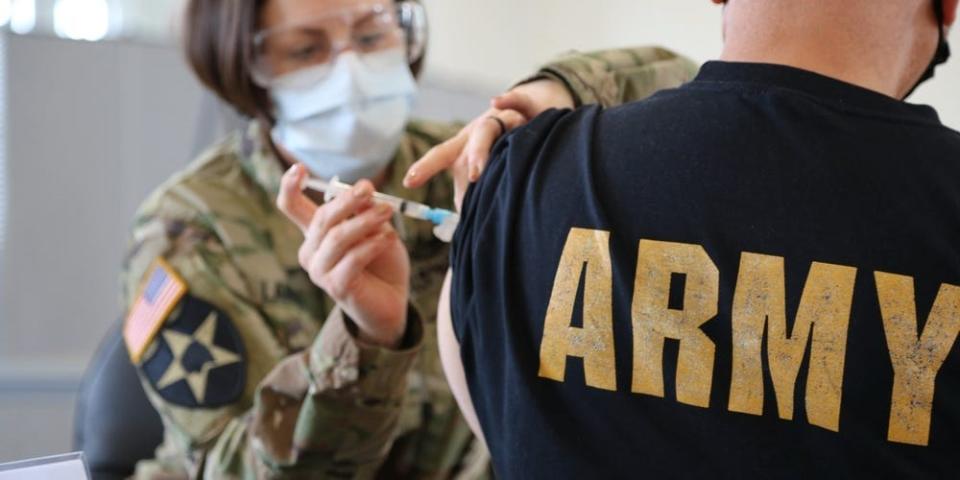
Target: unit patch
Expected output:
[199,359]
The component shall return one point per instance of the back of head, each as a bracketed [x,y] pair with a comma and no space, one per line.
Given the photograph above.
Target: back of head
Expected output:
[708,294]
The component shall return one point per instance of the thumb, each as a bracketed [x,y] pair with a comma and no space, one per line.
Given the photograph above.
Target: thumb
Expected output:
[292,201]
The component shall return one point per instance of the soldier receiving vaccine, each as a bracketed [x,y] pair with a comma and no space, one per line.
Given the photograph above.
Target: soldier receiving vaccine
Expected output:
[279,335]
[755,275]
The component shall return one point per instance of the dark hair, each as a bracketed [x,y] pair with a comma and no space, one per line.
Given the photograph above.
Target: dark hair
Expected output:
[218,43]
[218,39]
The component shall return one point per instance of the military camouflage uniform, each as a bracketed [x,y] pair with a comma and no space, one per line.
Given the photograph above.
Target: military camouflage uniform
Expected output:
[305,398]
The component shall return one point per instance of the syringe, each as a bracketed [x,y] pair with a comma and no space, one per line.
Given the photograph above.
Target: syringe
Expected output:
[445,221]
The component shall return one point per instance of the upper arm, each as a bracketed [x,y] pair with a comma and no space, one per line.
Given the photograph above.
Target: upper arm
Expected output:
[482,201]
[192,332]
[452,363]
[484,252]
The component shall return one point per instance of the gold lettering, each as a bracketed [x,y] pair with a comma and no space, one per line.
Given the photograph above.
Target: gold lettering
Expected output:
[760,300]
[594,342]
[654,321]
[916,361]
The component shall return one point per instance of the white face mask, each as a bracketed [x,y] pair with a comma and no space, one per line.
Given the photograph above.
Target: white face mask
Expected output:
[345,119]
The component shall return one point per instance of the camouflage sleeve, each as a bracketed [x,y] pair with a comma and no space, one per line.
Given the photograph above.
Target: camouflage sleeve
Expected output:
[329,411]
[615,77]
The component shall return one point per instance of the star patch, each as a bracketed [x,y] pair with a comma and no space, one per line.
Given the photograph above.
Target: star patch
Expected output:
[199,360]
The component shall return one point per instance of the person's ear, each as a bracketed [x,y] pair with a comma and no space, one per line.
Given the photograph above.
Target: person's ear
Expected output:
[950,12]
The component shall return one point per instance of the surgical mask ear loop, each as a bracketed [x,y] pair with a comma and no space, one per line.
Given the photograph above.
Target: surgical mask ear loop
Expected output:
[940,56]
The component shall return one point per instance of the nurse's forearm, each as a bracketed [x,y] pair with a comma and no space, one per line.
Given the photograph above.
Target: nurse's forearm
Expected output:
[328,412]
[617,76]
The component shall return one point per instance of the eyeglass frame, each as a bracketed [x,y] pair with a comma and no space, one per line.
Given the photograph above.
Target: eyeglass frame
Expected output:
[411,20]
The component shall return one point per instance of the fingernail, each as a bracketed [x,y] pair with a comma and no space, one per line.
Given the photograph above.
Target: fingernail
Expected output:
[383,209]
[362,189]
[412,174]
[474,173]
[295,173]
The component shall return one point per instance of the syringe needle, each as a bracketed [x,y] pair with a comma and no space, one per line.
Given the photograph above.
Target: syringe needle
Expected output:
[444,220]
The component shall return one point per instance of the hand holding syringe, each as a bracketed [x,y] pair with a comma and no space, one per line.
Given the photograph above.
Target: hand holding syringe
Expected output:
[445,221]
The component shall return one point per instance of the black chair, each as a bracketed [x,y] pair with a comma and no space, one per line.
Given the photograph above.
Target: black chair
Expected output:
[114,424]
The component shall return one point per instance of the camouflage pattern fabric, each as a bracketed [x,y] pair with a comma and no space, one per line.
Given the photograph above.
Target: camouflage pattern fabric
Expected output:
[614,77]
[257,374]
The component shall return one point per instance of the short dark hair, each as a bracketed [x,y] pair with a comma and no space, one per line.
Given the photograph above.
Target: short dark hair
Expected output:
[218,43]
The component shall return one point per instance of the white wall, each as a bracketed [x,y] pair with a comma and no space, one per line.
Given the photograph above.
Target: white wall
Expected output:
[493,42]
[91,129]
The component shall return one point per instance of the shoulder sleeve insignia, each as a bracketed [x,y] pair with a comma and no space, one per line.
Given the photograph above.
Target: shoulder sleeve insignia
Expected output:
[199,359]
[162,288]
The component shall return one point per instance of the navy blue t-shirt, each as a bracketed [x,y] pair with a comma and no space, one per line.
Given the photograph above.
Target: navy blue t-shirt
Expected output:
[752,275]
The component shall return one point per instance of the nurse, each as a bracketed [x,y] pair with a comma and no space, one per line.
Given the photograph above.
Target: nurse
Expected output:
[281,336]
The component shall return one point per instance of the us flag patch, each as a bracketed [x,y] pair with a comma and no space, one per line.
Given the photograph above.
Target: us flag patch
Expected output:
[159,294]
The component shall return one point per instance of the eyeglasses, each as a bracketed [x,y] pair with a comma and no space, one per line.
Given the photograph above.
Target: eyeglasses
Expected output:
[317,42]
